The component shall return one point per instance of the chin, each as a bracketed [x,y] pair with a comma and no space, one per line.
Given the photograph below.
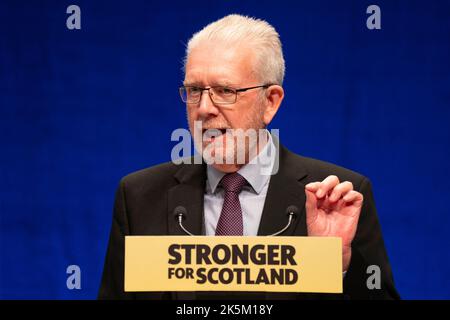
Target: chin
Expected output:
[227,168]
[218,155]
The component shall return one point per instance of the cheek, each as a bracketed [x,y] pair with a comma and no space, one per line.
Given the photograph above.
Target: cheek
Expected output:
[252,117]
[190,111]
[191,115]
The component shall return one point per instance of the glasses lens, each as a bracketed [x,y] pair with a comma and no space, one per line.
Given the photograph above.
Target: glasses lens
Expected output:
[223,95]
[183,94]
[190,94]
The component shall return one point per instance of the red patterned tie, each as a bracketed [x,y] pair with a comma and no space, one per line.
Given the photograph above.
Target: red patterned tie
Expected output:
[230,221]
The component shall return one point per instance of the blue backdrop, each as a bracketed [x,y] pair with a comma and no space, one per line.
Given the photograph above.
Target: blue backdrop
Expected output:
[79,109]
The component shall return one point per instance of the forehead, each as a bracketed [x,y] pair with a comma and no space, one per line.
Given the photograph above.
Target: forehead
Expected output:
[211,63]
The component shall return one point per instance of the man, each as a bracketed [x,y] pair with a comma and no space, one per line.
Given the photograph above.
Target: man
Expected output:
[234,71]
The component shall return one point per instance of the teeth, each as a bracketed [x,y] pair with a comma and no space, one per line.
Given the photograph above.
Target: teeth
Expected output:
[222,131]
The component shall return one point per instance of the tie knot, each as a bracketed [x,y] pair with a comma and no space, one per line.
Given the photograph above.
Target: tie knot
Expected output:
[233,182]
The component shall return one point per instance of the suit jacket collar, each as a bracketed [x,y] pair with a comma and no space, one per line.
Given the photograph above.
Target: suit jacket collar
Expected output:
[188,192]
[285,189]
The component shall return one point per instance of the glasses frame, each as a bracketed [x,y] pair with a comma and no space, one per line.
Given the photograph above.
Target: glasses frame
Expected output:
[236,91]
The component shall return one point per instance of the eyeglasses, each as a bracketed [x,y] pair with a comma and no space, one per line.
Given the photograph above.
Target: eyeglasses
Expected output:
[218,94]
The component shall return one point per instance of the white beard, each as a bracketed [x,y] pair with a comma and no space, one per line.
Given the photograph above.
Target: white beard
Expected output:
[233,147]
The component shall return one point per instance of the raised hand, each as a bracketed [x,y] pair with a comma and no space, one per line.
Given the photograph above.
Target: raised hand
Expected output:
[332,210]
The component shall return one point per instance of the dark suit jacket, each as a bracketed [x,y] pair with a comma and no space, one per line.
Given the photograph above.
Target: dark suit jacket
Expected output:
[145,201]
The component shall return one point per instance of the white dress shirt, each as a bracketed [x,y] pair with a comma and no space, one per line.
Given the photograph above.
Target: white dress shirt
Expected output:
[252,196]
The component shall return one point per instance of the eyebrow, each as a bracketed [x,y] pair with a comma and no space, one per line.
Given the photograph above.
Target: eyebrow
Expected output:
[191,84]
[224,83]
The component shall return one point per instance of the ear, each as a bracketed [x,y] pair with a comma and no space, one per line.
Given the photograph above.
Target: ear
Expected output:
[274,96]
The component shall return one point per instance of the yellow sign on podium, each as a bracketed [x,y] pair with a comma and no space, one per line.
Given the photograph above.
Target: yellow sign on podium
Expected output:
[207,263]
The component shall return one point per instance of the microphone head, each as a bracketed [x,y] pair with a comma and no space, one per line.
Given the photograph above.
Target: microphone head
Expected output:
[180,211]
[292,210]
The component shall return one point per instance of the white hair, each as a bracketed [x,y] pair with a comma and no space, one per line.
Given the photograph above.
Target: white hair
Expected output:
[258,34]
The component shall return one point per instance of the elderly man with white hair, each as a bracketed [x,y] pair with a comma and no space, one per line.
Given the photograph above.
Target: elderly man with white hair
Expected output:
[234,70]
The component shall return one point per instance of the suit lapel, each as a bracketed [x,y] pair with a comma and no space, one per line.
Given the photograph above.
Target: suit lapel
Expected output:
[285,189]
[188,193]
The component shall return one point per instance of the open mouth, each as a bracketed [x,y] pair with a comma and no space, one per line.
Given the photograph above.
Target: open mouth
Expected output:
[213,132]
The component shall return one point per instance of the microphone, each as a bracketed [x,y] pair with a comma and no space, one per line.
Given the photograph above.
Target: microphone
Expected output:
[292,212]
[180,214]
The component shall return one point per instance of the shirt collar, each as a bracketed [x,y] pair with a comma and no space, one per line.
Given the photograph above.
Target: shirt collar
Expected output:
[257,172]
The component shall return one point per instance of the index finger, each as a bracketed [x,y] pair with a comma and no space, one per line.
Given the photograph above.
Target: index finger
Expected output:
[326,185]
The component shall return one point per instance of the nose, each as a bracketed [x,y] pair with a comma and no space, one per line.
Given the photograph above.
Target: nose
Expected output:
[206,107]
